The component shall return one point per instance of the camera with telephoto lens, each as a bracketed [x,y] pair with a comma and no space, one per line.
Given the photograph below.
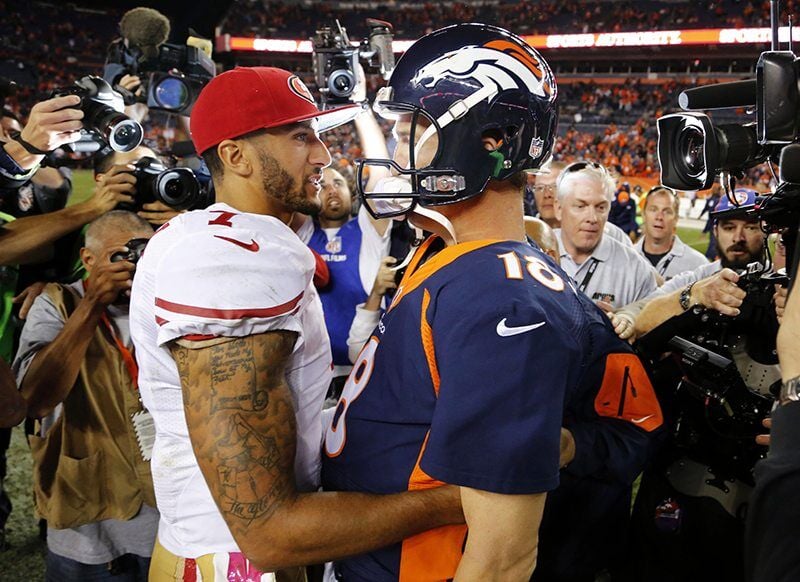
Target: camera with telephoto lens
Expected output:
[178,188]
[335,59]
[103,114]
[172,79]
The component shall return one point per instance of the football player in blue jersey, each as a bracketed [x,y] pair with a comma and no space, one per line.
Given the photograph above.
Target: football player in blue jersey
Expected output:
[489,370]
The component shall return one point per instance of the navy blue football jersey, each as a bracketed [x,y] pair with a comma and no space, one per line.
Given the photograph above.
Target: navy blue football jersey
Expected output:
[463,382]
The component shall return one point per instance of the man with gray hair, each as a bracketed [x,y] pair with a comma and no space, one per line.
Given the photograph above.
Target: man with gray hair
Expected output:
[610,273]
[75,367]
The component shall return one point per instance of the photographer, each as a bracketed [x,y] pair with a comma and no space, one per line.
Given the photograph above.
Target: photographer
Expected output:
[773,526]
[51,124]
[113,172]
[76,369]
[692,501]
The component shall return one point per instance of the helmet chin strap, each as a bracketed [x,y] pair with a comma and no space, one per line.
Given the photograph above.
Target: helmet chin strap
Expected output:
[434,222]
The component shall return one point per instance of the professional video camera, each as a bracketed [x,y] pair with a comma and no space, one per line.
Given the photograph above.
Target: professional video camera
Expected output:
[692,150]
[179,188]
[103,116]
[172,75]
[336,59]
[718,385]
[172,80]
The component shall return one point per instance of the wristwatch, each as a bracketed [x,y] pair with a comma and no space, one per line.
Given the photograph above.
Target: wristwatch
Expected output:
[686,296]
[790,390]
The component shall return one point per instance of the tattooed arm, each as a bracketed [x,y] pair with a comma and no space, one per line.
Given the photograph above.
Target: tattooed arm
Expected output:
[242,426]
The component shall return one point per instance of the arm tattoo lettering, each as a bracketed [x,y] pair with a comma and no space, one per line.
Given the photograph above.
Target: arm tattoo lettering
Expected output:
[233,363]
[245,441]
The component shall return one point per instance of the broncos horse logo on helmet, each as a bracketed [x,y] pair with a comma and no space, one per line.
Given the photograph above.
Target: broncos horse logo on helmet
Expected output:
[489,65]
[460,84]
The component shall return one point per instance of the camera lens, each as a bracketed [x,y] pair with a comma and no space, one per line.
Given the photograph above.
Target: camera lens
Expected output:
[171,93]
[690,144]
[341,83]
[177,188]
[125,135]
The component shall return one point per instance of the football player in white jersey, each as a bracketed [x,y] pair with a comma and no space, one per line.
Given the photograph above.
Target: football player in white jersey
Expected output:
[235,361]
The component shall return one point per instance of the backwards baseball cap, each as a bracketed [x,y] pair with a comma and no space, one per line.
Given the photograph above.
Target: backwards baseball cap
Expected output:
[745,202]
[249,98]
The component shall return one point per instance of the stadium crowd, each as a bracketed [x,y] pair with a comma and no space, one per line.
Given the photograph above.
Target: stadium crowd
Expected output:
[186,406]
[265,19]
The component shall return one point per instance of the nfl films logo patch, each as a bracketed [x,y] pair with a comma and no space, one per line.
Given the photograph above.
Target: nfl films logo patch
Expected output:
[537,145]
[334,246]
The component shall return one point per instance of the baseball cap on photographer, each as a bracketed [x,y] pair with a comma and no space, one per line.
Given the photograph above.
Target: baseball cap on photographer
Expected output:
[245,99]
[745,202]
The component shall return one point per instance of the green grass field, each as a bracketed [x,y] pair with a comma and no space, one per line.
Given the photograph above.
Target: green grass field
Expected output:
[24,561]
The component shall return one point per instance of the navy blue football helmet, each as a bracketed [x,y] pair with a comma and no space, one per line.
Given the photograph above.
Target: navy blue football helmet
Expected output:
[462,83]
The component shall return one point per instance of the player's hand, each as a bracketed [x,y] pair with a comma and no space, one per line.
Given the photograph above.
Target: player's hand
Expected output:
[567,448]
[116,186]
[763,439]
[53,123]
[719,292]
[780,301]
[385,280]
[623,325]
[157,213]
[605,306]
[27,297]
[108,280]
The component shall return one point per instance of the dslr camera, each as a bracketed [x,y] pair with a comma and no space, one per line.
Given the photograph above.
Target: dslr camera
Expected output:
[335,59]
[103,114]
[172,80]
[178,188]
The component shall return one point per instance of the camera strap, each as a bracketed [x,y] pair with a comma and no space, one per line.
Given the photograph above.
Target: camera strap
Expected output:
[593,262]
[28,147]
[127,355]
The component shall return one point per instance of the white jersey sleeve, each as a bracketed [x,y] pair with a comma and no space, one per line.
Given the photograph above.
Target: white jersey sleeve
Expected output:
[235,282]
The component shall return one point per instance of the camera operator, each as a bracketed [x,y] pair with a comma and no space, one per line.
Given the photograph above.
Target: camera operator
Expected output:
[773,526]
[740,241]
[692,501]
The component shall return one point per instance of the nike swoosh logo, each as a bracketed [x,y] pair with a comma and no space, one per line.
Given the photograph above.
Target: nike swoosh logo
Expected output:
[504,331]
[252,246]
[641,420]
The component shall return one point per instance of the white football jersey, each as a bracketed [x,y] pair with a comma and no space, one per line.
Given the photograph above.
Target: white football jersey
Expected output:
[221,272]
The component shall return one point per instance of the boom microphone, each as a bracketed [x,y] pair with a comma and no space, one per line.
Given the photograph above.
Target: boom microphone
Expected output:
[146,29]
[719,96]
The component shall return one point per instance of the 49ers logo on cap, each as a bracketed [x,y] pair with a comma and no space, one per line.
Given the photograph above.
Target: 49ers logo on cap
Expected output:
[299,88]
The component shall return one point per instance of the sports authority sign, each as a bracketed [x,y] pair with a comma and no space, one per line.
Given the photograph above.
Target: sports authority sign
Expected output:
[701,36]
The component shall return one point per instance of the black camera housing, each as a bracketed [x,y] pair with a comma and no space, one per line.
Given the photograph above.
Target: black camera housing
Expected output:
[335,59]
[103,113]
[172,80]
[178,188]
[134,253]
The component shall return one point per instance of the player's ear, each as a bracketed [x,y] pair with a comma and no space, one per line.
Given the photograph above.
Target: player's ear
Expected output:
[235,156]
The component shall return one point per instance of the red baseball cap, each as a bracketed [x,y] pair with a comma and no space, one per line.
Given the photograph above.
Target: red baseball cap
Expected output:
[249,98]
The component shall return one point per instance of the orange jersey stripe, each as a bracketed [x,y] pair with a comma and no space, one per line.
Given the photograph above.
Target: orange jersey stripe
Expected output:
[426,333]
[434,555]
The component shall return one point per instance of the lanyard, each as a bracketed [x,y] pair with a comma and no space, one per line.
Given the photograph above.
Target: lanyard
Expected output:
[665,266]
[590,273]
[127,355]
